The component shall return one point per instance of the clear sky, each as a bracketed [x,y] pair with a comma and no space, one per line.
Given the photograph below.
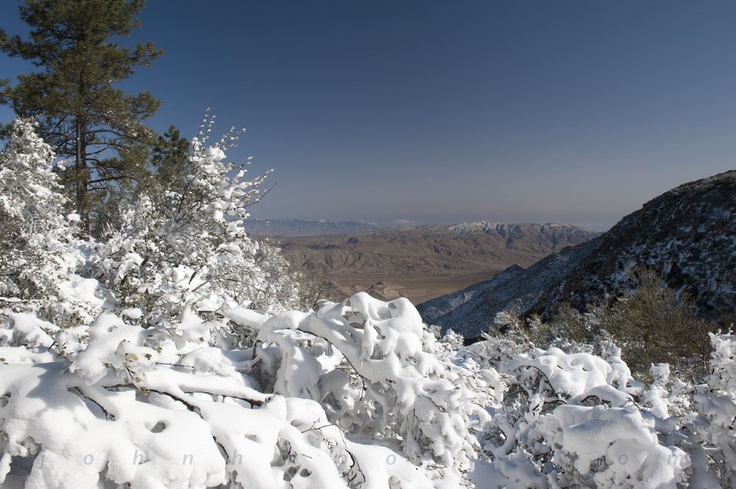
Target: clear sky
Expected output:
[572,111]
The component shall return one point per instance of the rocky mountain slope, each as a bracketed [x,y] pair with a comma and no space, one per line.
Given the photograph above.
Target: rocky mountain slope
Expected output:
[687,235]
[471,311]
[416,261]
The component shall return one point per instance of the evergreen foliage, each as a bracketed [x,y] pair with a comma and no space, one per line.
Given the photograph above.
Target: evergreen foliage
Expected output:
[79,111]
[654,324]
[651,323]
[170,160]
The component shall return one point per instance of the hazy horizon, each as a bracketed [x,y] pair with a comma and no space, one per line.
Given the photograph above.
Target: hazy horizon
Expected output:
[427,221]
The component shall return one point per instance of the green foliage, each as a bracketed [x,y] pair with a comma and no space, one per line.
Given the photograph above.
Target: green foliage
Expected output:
[72,97]
[654,324]
[569,330]
[170,160]
[651,324]
[166,168]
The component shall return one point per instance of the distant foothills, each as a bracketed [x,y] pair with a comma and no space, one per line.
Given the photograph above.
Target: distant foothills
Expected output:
[419,262]
[299,227]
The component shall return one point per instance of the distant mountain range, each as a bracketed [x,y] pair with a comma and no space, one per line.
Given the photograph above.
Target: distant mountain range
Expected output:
[424,261]
[687,235]
[299,227]
[431,248]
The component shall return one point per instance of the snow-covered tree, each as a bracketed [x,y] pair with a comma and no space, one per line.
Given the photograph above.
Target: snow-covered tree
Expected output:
[36,231]
[187,248]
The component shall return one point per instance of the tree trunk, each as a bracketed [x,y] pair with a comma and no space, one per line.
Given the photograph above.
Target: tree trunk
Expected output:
[81,176]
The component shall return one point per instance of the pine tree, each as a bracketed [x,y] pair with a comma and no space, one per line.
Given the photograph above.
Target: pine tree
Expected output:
[72,97]
[170,159]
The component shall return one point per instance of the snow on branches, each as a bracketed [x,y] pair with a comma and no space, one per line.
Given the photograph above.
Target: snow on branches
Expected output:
[570,420]
[187,248]
[389,383]
[348,396]
[36,234]
[29,190]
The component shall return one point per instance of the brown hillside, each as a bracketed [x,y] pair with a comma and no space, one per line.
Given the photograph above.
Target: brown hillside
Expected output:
[427,261]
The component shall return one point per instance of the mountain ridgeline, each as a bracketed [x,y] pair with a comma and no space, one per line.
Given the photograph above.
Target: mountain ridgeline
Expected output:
[431,248]
[300,227]
[686,235]
[420,262]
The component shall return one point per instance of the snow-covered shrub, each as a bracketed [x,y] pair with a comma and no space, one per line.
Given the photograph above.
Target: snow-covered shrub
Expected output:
[451,340]
[353,395]
[385,379]
[29,190]
[186,247]
[570,420]
[713,442]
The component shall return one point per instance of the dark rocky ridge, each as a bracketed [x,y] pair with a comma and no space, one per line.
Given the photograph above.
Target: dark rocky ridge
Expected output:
[472,310]
[687,235]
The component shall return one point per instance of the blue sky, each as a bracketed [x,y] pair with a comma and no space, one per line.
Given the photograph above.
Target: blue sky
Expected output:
[449,111]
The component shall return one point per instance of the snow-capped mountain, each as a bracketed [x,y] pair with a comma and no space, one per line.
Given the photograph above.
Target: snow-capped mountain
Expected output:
[550,230]
[687,235]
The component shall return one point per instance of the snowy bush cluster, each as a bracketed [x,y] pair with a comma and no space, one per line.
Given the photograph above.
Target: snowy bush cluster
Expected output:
[171,355]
